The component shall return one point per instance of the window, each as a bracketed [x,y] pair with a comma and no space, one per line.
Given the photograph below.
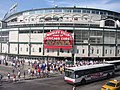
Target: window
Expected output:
[109,37]
[118,51]
[81,36]
[68,51]
[52,50]
[58,10]
[86,11]
[47,50]
[26,49]
[109,23]
[67,10]
[83,51]
[103,13]
[32,12]
[47,11]
[39,11]
[39,49]
[92,40]
[61,50]
[33,50]
[118,84]
[20,49]
[95,12]
[15,48]
[111,51]
[32,19]
[21,20]
[106,51]
[110,84]
[92,50]
[77,10]
[77,50]
[97,51]
[76,18]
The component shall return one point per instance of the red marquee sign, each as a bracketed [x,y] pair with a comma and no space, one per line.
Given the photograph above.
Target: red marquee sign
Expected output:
[58,39]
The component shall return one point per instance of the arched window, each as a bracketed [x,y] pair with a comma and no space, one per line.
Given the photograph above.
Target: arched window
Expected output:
[109,23]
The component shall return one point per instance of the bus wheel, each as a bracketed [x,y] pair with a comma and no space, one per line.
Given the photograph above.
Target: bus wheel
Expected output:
[83,81]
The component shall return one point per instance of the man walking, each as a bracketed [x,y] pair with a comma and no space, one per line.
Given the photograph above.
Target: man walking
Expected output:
[74,87]
[8,76]
[19,74]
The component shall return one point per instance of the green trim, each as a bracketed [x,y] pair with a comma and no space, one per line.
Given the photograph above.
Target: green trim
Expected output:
[3,42]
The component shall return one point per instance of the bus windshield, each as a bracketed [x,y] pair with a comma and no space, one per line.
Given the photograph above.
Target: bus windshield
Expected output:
[70,74]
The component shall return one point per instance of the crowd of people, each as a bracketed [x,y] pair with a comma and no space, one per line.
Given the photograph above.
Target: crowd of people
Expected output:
[43,69]
[37,68]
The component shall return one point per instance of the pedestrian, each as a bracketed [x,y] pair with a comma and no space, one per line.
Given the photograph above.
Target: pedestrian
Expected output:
[1,79]
[39,71]
[8,76]
[29,71]
[14,78]
[13,70]
[61,69]
[24,74]
[35,72]
[28,63]
[32,72]
[0,61]
[74,87]
[19,74]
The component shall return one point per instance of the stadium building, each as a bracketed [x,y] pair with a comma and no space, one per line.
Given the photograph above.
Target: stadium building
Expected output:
[61,33]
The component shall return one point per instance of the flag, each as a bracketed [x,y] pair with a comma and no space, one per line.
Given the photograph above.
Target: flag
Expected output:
[13,8]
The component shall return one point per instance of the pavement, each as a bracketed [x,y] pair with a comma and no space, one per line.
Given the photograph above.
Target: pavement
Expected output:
[5,69]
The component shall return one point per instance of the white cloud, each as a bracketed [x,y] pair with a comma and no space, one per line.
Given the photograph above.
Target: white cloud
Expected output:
[112,6]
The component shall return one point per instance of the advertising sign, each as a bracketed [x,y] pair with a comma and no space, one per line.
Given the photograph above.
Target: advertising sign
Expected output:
[58,39]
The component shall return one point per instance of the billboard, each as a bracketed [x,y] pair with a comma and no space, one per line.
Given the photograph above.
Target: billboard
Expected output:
[58,39]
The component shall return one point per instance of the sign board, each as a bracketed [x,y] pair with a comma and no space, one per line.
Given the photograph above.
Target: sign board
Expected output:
[58,39]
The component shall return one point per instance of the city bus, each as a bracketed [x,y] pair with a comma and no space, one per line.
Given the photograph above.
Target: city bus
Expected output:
[116,63]
[88,73]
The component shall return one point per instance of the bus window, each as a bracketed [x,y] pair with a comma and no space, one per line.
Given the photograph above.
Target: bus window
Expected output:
[70,74]
[77,75]
[80,73]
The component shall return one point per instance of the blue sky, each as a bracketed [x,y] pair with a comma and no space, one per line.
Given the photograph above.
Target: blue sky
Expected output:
[5,5]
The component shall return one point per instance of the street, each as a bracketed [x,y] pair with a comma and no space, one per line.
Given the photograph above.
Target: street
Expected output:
[54,83]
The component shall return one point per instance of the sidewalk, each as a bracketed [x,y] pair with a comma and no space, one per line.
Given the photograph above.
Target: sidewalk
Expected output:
[5,69]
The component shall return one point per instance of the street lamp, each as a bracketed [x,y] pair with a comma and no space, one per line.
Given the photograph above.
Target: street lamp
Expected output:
[73,58]
[47,59]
